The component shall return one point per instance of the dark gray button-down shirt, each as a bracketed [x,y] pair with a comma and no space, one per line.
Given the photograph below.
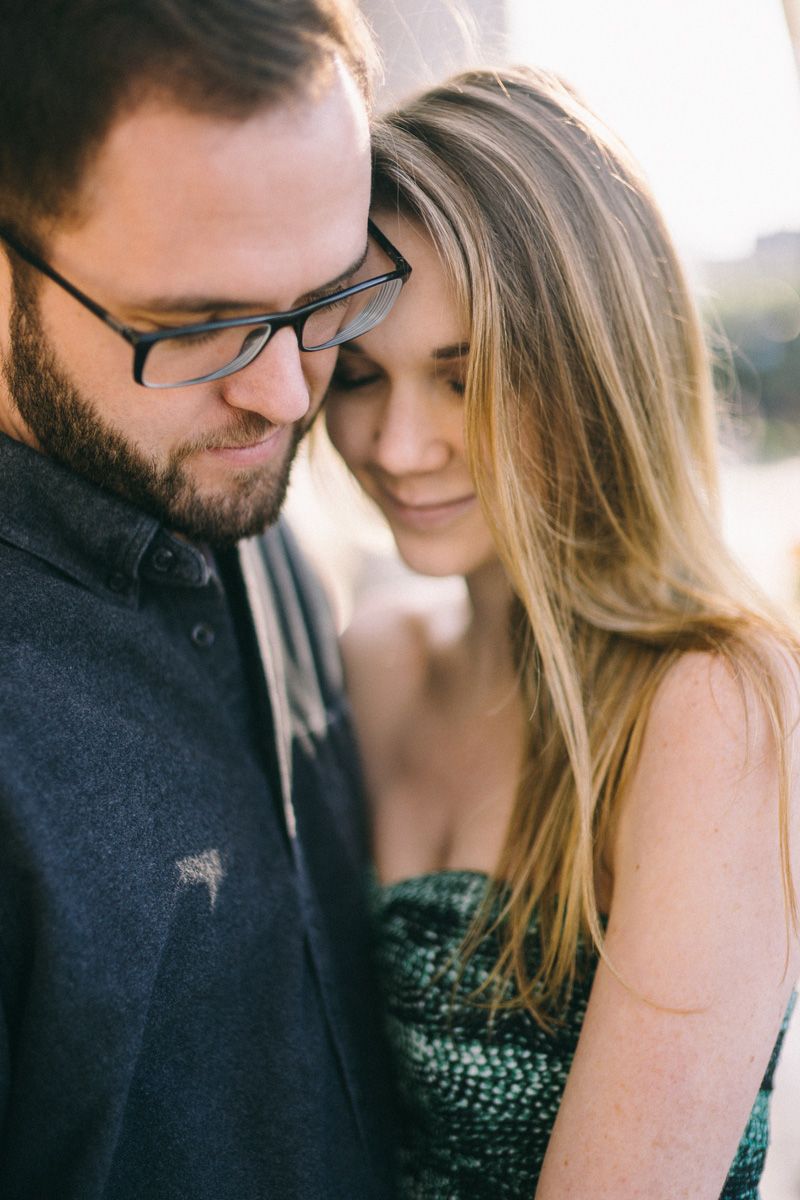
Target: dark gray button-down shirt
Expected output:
[185,1002]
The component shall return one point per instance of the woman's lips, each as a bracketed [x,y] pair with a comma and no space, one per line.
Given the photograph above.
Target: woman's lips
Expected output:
[429,515]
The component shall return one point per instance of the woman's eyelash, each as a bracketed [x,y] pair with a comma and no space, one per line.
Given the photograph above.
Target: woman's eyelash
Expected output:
[349,384]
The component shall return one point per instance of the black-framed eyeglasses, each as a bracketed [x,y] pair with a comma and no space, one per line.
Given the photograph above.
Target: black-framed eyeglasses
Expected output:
[211,350]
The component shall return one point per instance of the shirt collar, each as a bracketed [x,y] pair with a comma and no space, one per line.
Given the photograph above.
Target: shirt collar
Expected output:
[98,539]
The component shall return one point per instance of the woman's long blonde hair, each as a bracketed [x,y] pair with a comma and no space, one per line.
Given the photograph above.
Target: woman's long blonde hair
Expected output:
[591,430]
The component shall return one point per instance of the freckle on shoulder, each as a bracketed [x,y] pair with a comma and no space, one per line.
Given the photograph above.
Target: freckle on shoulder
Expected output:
[709,727]
[704,690]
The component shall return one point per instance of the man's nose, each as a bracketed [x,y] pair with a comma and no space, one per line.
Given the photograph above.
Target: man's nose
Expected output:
[273,384]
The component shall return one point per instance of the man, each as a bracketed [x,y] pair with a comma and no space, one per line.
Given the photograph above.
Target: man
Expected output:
[185,1000]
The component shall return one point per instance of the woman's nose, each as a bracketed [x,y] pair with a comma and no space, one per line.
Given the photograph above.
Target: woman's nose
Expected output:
[408,437]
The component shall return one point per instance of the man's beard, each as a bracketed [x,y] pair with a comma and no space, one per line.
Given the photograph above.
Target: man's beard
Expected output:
[69,431]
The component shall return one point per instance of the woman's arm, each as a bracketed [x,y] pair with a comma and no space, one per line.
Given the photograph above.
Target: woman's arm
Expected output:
[657,1101]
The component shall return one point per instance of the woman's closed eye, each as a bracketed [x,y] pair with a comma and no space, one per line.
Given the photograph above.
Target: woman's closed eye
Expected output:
[347,379]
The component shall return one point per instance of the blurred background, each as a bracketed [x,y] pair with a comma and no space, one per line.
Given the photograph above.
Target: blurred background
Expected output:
[706,93]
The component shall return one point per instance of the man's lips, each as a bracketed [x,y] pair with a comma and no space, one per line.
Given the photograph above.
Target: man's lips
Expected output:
[427,515]
[254,452]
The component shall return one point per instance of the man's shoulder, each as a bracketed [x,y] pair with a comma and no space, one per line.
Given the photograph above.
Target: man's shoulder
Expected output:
[28,595]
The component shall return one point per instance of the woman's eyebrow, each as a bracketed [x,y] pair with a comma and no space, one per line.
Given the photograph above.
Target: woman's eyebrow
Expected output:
[440,354]
[445,353]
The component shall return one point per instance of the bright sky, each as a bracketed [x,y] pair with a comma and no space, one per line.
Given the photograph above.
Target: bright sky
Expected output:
[703,91]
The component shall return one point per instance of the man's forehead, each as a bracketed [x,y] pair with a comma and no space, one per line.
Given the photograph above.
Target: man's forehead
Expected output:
[209,202]
[198,303]
[156,134]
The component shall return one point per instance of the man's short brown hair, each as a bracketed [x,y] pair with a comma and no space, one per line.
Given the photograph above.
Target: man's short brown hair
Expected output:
[67,67]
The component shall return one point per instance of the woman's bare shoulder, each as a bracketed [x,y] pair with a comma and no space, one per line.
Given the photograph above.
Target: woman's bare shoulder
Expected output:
[388,650]
[715,710]
[703,803]
[382,642]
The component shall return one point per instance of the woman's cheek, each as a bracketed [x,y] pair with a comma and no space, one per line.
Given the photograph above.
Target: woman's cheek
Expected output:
[341,422]
[347,427]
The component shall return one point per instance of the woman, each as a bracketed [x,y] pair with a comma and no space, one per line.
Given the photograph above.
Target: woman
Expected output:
[583,785]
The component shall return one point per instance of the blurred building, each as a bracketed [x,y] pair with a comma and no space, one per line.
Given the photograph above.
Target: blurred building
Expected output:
[421,41]
[779,253]
[776,256]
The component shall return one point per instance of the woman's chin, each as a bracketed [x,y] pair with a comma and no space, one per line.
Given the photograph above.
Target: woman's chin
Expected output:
[440,558]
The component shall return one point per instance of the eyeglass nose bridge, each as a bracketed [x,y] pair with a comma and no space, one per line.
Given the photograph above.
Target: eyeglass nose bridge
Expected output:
[257,339]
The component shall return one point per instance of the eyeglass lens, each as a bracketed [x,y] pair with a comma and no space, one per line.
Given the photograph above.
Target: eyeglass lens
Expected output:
[196,357]
[346,319]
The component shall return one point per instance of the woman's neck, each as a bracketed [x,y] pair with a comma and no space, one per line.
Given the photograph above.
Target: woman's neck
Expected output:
[487,634]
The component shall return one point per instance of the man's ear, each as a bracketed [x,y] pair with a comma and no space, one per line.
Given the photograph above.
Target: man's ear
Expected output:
[8,415]
[6,298]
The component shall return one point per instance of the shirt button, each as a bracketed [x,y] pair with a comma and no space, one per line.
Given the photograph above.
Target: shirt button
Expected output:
[203,636]
[163,559]
[118,582]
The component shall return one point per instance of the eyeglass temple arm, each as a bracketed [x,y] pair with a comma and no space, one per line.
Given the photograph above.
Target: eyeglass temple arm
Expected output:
[394,254]
[39,264]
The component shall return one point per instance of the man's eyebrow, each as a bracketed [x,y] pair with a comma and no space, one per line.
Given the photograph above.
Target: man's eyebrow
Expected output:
[200,305]
[333,284]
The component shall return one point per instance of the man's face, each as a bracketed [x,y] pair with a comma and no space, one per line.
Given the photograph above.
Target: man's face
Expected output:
[187,218]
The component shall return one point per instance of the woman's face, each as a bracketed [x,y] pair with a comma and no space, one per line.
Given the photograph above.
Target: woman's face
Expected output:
[395,414]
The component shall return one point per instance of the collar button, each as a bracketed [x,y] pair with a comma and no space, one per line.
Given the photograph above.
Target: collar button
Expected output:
[203,636]
[163,559]
[118,582]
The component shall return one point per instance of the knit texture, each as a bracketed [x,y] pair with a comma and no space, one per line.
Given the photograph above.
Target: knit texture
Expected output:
[478,1098]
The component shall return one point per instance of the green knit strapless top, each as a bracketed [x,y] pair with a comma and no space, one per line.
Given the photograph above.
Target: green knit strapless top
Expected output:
[477,1103]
